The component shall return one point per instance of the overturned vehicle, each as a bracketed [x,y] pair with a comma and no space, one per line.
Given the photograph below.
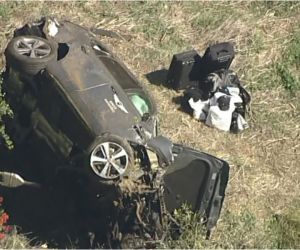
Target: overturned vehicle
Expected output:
[85,121]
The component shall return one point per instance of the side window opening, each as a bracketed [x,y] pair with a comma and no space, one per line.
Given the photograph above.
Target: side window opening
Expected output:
[140,104]
[62,51]
[140,101]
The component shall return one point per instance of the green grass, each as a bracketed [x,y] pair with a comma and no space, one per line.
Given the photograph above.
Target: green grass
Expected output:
[152,21]
[14,240]
[5,10]
[276,8]
[265,159]
[288,227]
[4,111]
[205,17]
[288,80]
[283,72]
[288,68]
[240,231]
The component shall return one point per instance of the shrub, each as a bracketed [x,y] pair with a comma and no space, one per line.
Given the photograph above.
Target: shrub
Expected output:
[239,230]
[4,111]
[4,228]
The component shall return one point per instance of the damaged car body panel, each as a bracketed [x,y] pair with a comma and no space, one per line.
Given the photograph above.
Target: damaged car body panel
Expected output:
[100,124]
[196,179]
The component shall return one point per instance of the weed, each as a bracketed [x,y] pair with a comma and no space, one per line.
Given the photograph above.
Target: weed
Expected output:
[149,22]
[293,54]
[4,10]
[210,16]
[15,241]
[192,230]
[279,9]
[288,80]
[287,226]
[7,8]
[288,67]
[4,110]
[238,231]
[258,42]
[267,60]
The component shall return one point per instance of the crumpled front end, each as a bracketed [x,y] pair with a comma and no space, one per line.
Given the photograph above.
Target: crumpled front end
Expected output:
[137,207]
[146,205]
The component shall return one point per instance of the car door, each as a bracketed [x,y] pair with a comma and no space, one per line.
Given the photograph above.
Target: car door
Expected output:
[198,180]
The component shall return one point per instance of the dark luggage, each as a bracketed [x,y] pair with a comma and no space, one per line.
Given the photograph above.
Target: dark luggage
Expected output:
[184,70]
[216,57]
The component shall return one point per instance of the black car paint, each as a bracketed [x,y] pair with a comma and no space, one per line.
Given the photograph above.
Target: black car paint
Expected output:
[72,97]
[91,89]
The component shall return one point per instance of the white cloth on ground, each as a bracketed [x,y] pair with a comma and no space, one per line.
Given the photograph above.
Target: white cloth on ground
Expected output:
[210,112]
[220,119]
[200,108]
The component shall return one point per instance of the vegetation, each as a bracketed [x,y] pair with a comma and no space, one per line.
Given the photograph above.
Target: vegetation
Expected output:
[15,241]
[262,204]
[4,111]
[287,68]
[240,230]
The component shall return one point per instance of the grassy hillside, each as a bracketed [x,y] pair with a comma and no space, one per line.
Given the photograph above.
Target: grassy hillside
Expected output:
[262,204]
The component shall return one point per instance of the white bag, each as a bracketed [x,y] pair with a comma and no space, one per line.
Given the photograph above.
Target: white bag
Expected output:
[200,108]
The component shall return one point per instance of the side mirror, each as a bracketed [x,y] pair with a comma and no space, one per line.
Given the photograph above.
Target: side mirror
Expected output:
[13,180]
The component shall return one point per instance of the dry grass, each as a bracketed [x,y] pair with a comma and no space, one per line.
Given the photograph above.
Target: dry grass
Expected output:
[15,241]
[265,173]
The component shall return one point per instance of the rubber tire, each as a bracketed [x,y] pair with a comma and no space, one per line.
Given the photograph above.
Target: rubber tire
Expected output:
[27,64]
[118,140]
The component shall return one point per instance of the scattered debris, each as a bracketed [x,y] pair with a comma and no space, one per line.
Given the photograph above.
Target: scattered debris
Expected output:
[212,91]
[83,122]
[224,106]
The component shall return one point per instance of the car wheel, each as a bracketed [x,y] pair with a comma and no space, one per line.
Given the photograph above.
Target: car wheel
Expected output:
[111,157]
[30,54]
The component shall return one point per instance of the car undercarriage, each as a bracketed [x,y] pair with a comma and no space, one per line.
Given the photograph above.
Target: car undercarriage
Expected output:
[123,176]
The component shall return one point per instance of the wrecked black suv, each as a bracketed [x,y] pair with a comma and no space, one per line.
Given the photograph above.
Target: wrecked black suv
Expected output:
[85,119]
